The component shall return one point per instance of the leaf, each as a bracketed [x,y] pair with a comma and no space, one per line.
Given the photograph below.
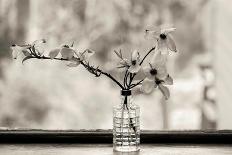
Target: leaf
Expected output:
[26,53]
[121,67]
[119,54]
[26,58]
[72,44]
[33,49]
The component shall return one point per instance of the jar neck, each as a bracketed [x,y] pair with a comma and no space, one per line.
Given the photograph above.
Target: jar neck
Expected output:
[126,92]
[126,98]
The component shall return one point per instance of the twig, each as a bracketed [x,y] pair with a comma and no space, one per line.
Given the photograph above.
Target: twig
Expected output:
[153,48]
[125,78]
[136,84]
[89,68]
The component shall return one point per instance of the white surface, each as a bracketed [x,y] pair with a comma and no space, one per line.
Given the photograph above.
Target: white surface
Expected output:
[75,149]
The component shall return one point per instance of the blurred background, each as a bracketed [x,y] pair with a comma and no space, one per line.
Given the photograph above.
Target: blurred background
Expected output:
[49,95]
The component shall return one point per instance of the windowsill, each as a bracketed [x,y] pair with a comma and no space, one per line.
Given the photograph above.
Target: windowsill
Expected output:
[105,136]
[99,142]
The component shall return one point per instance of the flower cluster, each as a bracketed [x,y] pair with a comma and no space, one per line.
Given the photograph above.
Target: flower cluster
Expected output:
[155,71]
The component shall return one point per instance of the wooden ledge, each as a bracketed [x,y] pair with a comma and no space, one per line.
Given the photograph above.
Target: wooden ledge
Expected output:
[105,136]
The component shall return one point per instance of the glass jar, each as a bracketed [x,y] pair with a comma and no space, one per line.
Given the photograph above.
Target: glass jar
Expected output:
[126,125]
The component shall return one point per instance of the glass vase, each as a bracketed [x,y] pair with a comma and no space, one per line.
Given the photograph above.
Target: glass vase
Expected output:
[126,128]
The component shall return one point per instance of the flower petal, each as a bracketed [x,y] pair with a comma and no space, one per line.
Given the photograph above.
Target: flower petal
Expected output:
[80,55]
[152,34]
[39,41]
[124,63]
[14,54]
[164,90]
[88,53]
[85,55]
[17,50]
[134,68]
[162,44]
[53,53]
[147,86]
[161,72]
[147,70]
[137,90]
[168,30]
[39,49]
[159,59]
[66,53]
[168,80]
[135,56]
[171,44]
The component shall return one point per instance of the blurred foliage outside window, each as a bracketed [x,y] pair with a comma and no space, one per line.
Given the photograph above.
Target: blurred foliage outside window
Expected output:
[49,95]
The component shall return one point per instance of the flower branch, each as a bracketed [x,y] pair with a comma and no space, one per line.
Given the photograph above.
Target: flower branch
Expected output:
[96,71]
[155,71]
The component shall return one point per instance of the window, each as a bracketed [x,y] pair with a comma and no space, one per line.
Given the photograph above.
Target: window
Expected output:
[49,95]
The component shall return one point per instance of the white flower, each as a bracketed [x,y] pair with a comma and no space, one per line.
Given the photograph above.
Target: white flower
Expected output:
[134,64]
[155,71]
[17,50]
[148,85]
[156,76]
[164,39]
[36,47]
